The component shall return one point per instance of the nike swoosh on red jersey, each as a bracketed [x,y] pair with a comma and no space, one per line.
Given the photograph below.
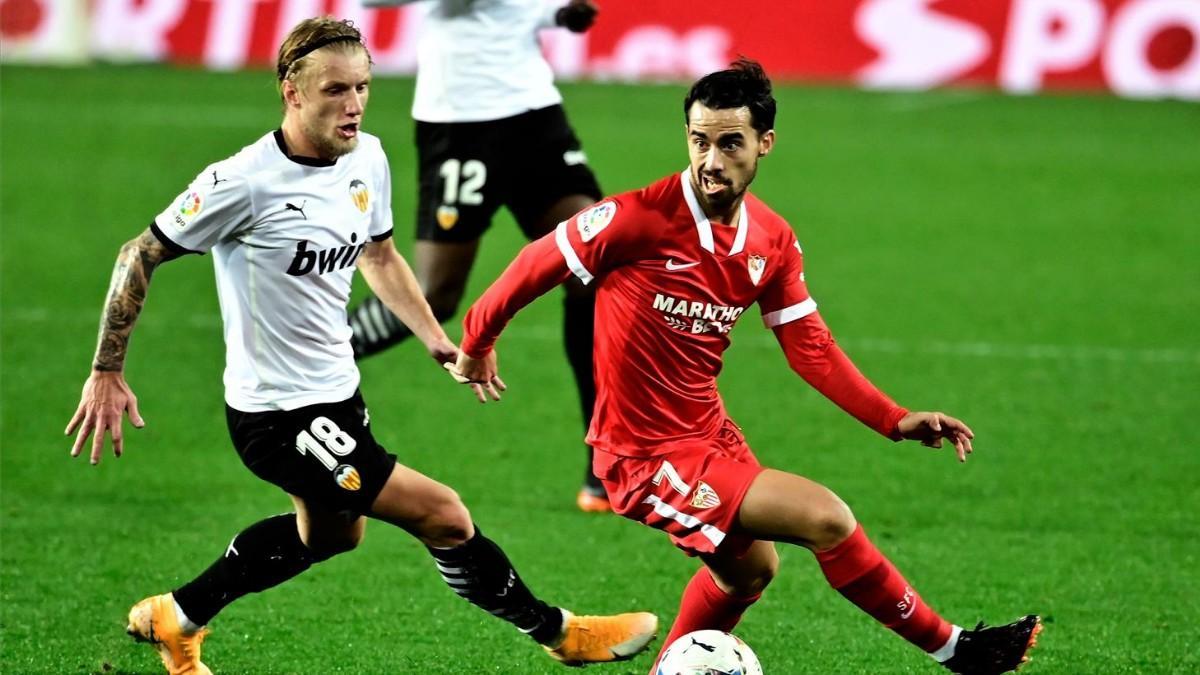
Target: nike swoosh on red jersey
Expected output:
[673,266]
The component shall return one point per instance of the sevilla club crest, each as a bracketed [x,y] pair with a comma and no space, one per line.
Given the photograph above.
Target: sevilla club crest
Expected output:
[756,265]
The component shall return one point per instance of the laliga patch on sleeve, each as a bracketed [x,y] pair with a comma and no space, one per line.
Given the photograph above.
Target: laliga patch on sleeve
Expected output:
[188,205]
[595,219]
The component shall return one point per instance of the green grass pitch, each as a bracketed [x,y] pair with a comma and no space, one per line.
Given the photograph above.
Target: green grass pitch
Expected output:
[1028,264]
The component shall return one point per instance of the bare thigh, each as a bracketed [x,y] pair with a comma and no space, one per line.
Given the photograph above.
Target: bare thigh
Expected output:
[423,507]
[781,506]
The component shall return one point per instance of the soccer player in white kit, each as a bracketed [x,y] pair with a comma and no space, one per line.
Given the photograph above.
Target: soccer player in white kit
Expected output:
[491,132]
[288,219]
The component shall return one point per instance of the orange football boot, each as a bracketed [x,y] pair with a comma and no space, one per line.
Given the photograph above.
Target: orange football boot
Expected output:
[593,639]
[153,620]
[590,501]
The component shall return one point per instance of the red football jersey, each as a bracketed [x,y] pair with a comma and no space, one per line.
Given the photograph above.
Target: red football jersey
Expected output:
[674,285]
[671,285]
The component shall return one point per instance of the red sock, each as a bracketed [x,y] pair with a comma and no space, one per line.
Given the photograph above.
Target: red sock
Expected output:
[705,606]
[860,573]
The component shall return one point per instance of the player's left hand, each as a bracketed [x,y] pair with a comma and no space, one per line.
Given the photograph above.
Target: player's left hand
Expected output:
[577,15]
[480,374]
[931,427]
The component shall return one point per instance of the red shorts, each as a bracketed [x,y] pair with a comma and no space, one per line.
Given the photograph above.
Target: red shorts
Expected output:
[691,490]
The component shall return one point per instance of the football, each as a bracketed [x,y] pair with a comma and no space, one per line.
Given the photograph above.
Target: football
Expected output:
[709,652]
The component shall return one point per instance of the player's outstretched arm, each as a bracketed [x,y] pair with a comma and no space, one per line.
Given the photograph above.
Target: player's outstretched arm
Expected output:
[106,397]
[392,280]
[931,427]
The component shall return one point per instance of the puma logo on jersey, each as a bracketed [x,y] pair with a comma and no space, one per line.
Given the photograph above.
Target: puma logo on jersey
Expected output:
[673,266]
[324,260]
[292,207]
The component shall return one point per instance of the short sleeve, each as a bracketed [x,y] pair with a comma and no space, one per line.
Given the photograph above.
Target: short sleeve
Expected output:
[786,298]
[598,238]
[381,211]
[215,206]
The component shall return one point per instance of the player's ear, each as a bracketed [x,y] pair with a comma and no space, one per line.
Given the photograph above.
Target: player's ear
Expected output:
[766,142]
[291,94]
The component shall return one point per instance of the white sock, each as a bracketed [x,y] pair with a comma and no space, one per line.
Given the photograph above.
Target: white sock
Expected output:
[562,634]
[947,650]
[185,624]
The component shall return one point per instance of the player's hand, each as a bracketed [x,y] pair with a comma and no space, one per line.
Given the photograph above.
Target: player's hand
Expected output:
[577,15]
[931,427]
[443,351]
[102,405]
[479,374]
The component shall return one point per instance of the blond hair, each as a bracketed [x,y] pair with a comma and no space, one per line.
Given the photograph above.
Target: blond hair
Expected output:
[310,35]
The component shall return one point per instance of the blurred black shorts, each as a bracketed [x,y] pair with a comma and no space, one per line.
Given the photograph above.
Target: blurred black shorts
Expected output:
[468,170]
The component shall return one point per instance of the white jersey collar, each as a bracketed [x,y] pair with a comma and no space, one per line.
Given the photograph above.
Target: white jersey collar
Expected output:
[704,227]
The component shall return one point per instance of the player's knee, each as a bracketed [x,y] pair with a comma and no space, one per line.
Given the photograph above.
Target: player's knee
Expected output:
[327,544]
[833,522]
[447,522]
[758,582]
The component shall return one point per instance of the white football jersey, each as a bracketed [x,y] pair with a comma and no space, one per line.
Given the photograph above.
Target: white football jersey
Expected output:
[480,60]
[285,234]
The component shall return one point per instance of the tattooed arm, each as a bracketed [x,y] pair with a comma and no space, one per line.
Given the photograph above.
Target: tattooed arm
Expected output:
[106,397]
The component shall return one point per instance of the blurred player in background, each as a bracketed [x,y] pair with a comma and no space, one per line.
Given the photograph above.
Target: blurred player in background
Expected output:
[288,219]
[491,132]
[675,265]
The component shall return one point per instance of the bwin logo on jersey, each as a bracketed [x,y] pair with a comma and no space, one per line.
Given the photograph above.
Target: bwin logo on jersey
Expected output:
[326,259]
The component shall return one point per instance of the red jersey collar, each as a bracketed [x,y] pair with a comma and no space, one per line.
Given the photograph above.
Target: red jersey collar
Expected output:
[704,227]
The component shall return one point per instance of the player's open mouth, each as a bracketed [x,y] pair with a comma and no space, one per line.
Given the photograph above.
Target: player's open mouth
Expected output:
[348,130]
[712,185]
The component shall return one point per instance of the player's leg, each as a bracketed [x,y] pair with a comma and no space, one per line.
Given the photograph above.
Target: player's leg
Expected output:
[459,191]
[476,568]
[334,476]
[785,507]
[723,588]
[261,556]
[558,184]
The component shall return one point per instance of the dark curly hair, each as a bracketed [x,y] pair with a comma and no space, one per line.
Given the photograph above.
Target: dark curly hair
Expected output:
[743,84]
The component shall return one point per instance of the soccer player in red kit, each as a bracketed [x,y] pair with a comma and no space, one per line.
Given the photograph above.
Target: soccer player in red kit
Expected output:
[676,264]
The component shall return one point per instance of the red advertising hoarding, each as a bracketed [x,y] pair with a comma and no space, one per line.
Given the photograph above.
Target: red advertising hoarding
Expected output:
[1137,48]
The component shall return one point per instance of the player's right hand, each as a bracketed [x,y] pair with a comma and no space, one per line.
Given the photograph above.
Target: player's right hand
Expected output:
[102,405]
[931,427]
[480,374]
